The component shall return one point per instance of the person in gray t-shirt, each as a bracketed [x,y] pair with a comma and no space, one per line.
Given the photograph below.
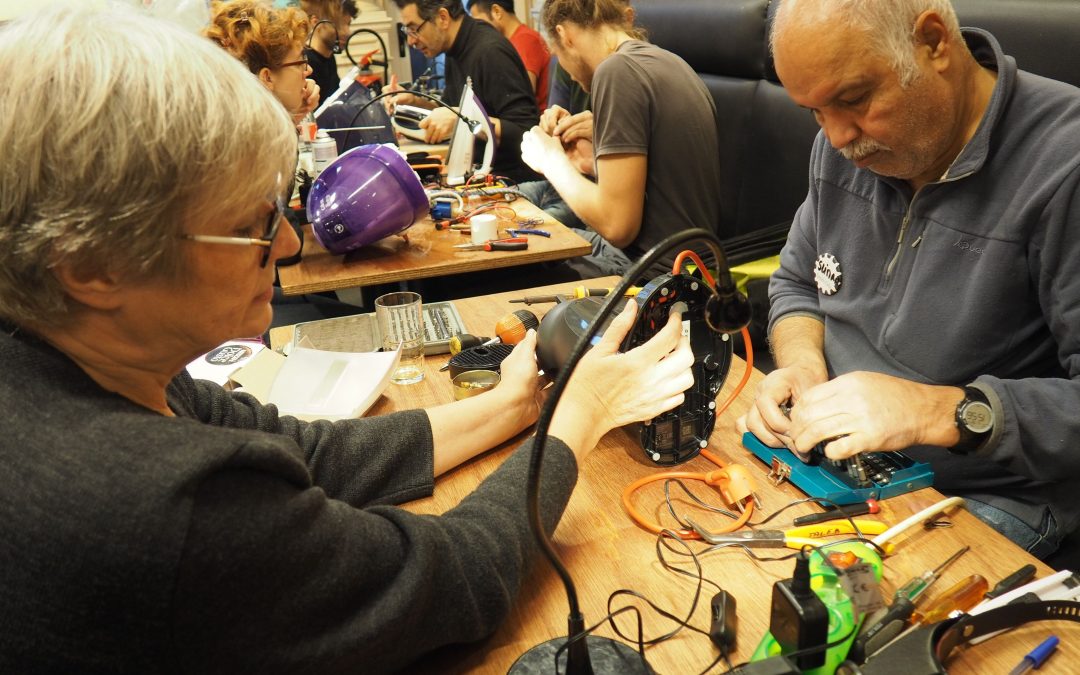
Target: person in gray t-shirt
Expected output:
[656,153]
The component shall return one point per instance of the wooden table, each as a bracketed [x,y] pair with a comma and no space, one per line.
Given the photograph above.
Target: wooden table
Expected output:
[426,253]
[604,551]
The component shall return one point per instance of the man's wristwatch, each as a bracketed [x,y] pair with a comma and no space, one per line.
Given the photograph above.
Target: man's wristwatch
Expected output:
[974,420]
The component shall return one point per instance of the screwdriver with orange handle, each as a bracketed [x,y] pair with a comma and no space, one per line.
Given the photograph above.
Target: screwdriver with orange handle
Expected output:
[962,597]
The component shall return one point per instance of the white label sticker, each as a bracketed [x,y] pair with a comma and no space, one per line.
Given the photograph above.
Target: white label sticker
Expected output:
[860,585]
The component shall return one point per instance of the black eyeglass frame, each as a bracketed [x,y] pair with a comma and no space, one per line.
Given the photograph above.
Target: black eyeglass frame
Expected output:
[273,223]
[414,32]
[300,62]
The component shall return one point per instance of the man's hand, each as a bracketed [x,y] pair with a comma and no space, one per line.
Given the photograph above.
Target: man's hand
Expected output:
[867,411]
[550,117]
[391,102]
[438,125]
[580,154]
[765,419]
[574,127]
[542,151]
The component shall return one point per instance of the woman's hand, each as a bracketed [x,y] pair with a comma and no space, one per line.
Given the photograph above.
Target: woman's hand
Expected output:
[309,100]
[521,382]
[610,389]
[463,429]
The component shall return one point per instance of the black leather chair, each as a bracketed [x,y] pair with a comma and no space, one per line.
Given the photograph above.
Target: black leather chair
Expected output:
[765,139]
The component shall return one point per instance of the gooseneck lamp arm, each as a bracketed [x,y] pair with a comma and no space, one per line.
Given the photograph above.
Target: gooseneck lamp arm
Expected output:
[578,660]
[382,46]
[472,124]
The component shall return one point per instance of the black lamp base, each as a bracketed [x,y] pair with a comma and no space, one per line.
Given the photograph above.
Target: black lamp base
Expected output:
[607,656]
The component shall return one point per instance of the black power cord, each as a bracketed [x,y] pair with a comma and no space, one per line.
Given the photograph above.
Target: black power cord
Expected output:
[732,314]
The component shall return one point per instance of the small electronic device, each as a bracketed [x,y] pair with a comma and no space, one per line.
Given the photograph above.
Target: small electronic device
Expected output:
[679,434]
[407,119]
[467,141]
[871,475]
[360,332]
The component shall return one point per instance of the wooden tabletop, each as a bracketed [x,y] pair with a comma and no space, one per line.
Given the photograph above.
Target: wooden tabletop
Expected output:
[605,551]
[425,252]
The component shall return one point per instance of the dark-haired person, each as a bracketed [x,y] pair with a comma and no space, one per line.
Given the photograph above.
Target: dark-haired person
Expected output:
[475,50]
[657,157]
[529,45]
[153,523]
[324,37]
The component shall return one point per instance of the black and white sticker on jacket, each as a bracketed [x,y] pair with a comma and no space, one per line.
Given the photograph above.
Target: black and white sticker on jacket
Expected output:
[827,274]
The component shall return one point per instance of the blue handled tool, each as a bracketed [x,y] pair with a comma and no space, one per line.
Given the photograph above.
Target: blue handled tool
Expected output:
[1036,657]
[517,232]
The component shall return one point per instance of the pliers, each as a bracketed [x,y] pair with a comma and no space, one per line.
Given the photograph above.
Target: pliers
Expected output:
[796,537]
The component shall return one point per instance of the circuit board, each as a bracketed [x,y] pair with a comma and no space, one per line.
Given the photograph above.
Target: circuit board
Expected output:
[871,475]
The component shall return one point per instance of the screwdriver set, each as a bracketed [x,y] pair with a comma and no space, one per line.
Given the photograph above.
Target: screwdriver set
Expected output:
[360,332]
[872,475]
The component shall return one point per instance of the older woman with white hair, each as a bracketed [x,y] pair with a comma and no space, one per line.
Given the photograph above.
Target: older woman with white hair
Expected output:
[156,523]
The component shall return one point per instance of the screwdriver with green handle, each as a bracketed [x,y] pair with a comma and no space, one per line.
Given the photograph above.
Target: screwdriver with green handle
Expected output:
[892,622]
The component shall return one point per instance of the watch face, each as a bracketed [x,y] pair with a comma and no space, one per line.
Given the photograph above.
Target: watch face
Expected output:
[977,417]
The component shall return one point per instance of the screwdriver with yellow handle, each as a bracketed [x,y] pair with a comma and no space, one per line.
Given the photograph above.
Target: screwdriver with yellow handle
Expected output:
[578,292]
[962,597]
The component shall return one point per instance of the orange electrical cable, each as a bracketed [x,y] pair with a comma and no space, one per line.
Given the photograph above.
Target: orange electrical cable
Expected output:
[697,261]
[711,478]
[746,372]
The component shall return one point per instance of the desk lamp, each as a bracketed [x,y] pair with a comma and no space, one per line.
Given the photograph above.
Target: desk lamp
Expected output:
[366,194]
[577,653]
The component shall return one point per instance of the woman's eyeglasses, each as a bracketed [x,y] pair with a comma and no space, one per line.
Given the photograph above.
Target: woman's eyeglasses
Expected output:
[270,229]
[303,63]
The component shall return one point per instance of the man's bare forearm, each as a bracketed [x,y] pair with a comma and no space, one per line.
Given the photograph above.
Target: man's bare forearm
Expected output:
[799,342]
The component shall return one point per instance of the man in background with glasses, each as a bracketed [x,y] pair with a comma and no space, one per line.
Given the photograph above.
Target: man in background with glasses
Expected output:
[473,49]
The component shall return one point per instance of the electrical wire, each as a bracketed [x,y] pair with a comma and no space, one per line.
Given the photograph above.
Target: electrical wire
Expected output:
[664,540]
[435,194]
[712,479]
[559,385]
[882,539]
[352,123]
